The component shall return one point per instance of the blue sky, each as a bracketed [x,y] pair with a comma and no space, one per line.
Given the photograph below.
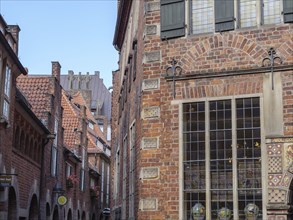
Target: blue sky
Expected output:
[78,34]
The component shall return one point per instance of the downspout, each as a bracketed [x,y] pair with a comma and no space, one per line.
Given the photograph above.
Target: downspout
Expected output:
[45,142]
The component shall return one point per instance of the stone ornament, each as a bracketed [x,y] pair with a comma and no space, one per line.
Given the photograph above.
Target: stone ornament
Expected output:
[198,212]
[224,214]
[251,211]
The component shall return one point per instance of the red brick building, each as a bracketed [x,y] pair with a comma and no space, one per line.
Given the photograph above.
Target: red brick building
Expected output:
[86,158]
[44,95]
[202,110]
[22,137]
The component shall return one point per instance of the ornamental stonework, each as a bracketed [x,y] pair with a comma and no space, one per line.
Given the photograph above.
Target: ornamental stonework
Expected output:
[275,180]
[275,164]
[151,112]
[150,143]
[152,56]
[149,204]
[149,173]
[276,196]
[275,149]
[150,84]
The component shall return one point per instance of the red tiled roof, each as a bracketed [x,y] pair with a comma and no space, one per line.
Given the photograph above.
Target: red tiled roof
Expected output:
[79,99]
[36,90]
[70,120]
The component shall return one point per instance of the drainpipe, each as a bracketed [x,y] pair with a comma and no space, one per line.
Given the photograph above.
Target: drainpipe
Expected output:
[45,142]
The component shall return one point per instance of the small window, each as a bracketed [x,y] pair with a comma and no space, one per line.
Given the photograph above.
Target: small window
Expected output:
[247,13]
[7,91]
[54,160]
[271,11]
[202,16]
[68,170]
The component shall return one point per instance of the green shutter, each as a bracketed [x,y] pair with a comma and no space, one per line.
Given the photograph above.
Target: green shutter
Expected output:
[224,15]
[288,11]
[172,18]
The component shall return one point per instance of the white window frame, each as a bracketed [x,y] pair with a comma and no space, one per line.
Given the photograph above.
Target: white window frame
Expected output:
[54,153]
[7,78]
[69,169]
[132,159]
[82,171]
[260,20]
[181,151]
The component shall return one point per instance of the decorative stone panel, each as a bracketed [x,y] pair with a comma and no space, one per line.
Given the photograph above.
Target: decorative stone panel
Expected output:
[151,112]
[150,143]
[151,30]
[286,180]
[150,173]
[149,204]
[150,84]
[152,56]
[289,153]
[152,6]
[276,196]
[290,168]
[275,164]
[275,180]
[274,149]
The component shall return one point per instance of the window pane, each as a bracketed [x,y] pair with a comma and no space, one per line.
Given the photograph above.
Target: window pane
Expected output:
[54,161]
[271,11]
[6,109]
[194,156]
[249,155]
[221,157]
[7,82]
[247,13]
[202,16]
[193,199]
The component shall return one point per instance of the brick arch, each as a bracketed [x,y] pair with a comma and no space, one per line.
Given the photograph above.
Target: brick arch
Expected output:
[207,54]
[285,51]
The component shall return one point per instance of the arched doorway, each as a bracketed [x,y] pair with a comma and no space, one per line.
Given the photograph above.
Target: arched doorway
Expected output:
[48,211]
[83,216]
[33,210]
[93,217]
[12,204]
[55,213]
[69,215]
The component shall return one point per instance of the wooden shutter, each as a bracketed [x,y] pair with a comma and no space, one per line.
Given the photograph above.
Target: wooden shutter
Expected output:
[172,18]
[288,11]
[224,15]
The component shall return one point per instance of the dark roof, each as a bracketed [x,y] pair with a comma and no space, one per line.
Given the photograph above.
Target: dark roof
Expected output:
[99,93]
[121,23]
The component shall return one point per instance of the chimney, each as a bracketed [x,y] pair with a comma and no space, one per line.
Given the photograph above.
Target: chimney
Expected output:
[56,67]
[14,30]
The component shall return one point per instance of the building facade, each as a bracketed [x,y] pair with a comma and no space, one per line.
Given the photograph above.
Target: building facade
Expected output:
[203,125]
[95,93]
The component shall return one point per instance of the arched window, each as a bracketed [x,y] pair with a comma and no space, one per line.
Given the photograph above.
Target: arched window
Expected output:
[27,143]
[22,142]
[32,149]
[16,138]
